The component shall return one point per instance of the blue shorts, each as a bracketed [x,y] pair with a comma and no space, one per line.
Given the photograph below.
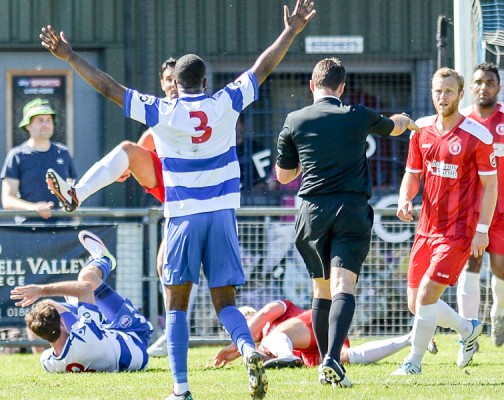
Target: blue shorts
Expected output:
[128,319]
[207,239]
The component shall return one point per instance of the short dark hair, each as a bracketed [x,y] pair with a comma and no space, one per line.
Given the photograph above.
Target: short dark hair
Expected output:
[329,73]
[44,321]
[170,63]
[190,71]
[488,67]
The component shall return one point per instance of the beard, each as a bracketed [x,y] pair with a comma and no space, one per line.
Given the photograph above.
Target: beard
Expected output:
[449,110]
[486,102]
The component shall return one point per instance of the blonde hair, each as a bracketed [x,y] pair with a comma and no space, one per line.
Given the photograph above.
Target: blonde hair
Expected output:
[448,72]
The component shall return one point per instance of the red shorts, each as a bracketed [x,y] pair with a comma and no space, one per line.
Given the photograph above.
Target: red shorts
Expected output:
[311,355]
[441,258]
[159,191]
[496,235]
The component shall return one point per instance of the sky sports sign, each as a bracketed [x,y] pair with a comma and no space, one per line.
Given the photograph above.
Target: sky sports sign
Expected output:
[334,44]
[45,254]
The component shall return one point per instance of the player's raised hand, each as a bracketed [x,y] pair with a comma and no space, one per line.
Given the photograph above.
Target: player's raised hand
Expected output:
[26,295]
[303,12]
[57,44]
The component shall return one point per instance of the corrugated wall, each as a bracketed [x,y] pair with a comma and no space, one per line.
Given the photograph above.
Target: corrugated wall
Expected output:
[238,29]
[133,37]
[86,21]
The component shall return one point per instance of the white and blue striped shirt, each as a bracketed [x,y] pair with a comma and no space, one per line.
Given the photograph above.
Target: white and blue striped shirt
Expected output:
[93,347]
[195,138]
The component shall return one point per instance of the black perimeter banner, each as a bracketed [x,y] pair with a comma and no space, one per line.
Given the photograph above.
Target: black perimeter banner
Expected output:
[41,255]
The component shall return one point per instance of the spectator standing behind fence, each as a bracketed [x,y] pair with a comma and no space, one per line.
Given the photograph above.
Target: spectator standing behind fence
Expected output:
[454,156]
[487,111]
[104,333]
[327,142]
[23,172]
[196,141]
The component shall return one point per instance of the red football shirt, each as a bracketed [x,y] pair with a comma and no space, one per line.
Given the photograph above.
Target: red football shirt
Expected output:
[291,310]
[495,124]
[450,166]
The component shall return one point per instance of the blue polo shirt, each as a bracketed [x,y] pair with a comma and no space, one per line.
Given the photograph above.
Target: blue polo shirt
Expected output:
[29,167]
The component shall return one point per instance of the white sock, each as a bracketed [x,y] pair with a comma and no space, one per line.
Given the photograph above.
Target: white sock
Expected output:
[180,388]
[448,317]
[498,297]
[102,173]
[376,350]
[424,327]
[279,344]
[468,294]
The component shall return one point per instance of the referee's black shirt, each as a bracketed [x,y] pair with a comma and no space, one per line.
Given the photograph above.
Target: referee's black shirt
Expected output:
[329,139]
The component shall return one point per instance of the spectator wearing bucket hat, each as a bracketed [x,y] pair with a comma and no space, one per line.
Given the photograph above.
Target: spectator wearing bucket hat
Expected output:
[23,172]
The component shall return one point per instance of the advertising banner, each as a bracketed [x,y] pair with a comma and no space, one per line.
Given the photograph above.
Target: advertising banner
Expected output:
[42,254]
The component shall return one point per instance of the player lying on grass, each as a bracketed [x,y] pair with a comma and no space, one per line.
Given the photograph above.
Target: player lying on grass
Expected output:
[103,333]
[285,336]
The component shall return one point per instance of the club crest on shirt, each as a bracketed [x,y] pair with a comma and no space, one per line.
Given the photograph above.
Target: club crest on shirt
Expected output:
[455,148]
[125,321]
[235,84]
[147,99]
[493,162]
[87,316]
[499,129]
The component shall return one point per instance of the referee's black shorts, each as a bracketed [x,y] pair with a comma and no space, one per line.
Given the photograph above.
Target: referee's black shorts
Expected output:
[334,231]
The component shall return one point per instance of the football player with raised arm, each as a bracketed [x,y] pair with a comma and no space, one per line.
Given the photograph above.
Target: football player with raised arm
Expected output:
[195,139]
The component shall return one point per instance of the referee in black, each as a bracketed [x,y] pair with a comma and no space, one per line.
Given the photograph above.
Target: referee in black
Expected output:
[326,141]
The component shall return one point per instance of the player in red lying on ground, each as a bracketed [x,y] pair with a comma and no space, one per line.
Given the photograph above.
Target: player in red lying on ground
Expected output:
[285,336]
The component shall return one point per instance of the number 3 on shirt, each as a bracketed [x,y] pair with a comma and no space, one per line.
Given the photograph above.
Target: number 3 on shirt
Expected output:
[207,131]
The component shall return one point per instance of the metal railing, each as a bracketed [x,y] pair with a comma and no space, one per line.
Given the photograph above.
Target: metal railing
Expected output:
[272,266]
